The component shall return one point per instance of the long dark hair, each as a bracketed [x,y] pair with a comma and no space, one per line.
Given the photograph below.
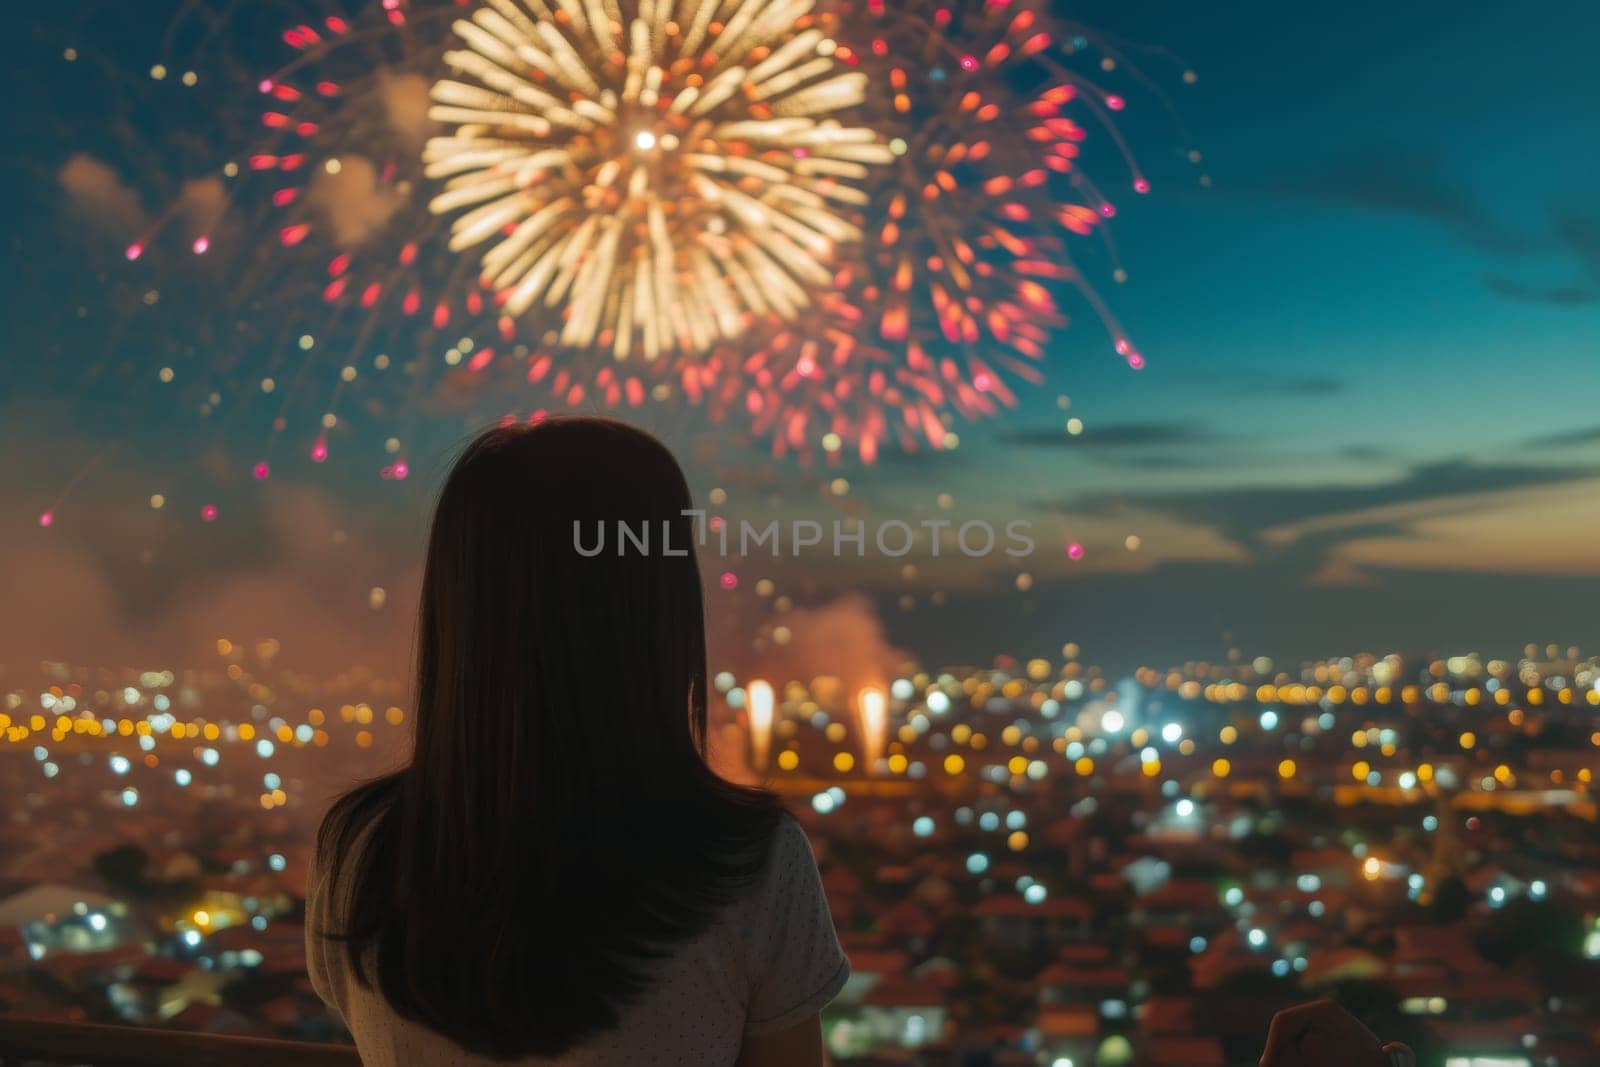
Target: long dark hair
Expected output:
[558,827]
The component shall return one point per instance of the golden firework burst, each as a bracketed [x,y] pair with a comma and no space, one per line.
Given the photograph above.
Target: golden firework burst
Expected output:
[655,173]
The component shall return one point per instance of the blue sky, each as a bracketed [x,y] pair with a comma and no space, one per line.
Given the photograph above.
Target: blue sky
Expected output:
[1374,346]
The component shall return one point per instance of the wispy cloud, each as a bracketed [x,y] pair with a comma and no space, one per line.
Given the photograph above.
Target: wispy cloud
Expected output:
[1113,435]
[1487,533]
[1587,435]
[1409,180]
[1366,452]
[1302,528]
[1254,380]
[1562,296]
[1577,238]
[1417,182]
[1246,512]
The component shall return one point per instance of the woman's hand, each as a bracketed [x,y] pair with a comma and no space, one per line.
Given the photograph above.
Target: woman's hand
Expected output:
[1322,1034]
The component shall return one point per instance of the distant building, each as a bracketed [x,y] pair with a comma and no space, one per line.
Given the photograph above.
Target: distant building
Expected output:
[1008,921]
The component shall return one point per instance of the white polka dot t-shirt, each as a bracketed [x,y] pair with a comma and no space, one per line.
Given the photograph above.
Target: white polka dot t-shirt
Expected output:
[770,962]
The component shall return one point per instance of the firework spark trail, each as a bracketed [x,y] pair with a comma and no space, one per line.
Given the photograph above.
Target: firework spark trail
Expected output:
[47,517]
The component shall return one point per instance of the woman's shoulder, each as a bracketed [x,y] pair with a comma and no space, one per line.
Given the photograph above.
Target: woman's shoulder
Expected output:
[790,844]
[795,962]
[791,861]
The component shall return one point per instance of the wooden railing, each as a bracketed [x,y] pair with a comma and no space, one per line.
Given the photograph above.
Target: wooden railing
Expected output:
[24,1041]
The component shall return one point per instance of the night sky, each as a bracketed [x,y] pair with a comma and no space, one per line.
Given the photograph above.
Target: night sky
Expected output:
[1370,419]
